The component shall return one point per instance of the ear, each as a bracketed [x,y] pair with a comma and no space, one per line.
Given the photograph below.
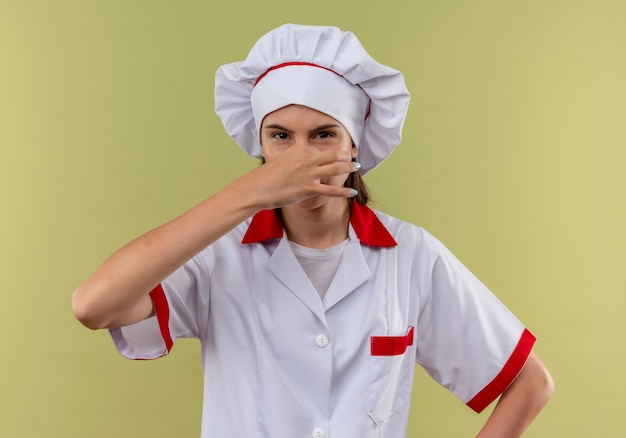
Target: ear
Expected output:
[354,152]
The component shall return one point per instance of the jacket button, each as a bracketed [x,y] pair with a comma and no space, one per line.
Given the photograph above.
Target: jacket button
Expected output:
[319,433]
[321,341]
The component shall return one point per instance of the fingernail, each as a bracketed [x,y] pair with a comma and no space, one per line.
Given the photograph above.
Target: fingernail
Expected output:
[353,192]
[357,165]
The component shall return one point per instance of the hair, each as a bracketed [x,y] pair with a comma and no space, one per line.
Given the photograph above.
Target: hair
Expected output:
[355,181]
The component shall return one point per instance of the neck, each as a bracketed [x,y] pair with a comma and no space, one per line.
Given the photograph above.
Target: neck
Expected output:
[320,227]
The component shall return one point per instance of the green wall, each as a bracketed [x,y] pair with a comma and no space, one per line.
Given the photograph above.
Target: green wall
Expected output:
[514,156]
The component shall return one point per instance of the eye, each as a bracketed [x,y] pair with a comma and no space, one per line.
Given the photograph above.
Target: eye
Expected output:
[324,134]
[280,135]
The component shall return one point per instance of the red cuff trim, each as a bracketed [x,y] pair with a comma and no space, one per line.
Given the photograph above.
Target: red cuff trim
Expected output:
[507,375]
[391,345]
[162,310]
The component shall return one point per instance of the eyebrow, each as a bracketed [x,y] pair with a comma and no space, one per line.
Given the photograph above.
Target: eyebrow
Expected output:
[276,126]
[317,128]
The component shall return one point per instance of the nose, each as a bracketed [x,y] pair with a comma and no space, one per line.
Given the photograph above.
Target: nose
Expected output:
[302,142]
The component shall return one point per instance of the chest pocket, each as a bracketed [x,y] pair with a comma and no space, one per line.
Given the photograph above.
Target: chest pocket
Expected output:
[391,368]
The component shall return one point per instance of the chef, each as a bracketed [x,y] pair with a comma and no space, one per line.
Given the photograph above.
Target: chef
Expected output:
[311,308]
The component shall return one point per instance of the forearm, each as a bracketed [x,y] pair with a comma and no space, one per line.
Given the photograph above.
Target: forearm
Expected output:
[117,292]
[521,402]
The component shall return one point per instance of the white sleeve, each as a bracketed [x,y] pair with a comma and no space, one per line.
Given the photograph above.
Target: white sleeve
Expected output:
[467,340]
[181,304]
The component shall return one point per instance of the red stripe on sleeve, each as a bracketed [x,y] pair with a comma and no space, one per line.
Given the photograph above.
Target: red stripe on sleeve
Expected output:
[507,375]
[162,310]
[391,345]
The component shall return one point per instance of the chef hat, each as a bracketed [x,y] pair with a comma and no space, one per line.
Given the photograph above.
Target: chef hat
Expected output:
[320,67]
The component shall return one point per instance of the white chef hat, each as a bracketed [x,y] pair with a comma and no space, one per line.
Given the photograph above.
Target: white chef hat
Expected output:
[320,67]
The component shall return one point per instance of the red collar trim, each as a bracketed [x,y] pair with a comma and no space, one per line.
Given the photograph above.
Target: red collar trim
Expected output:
[265,225]
[368,228]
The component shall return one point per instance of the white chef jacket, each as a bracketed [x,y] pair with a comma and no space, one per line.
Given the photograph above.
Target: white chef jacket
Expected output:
[281,362]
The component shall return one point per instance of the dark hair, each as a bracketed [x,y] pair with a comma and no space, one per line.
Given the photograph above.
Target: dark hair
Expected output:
[355,181]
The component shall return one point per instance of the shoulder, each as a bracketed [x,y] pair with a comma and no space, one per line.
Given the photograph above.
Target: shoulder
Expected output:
[405,233]
[415,240]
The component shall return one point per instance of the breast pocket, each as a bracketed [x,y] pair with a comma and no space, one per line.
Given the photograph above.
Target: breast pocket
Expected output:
[391,369]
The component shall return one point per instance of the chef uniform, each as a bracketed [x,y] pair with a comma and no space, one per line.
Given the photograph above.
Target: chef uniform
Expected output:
[281,359]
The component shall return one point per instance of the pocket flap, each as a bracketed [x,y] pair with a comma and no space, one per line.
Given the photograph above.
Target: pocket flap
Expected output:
[391,345]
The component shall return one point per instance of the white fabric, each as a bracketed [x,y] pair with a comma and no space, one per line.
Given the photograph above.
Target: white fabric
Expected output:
[319,265]
[303,85]
[327,47]
[145,334]
[280,362]
[259,320]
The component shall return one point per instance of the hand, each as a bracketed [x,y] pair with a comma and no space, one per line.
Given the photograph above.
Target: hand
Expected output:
[299,173]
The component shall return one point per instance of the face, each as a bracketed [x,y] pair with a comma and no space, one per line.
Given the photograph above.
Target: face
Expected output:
[301,126]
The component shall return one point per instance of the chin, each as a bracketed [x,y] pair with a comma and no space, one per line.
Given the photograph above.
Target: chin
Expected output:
[312,203]
[318,202]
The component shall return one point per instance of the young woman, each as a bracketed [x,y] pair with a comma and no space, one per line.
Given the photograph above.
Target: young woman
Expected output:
[311,308]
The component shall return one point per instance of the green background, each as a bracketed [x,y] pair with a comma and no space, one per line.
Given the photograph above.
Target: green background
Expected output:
[514,155]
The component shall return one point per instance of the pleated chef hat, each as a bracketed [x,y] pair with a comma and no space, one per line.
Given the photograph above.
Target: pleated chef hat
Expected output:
[321,67]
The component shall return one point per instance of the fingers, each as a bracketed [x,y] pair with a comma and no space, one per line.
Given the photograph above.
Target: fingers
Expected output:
[337,191]
[302,173]
[330,156]
[337,169]
[332,178]
[315,165]
[334,163]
